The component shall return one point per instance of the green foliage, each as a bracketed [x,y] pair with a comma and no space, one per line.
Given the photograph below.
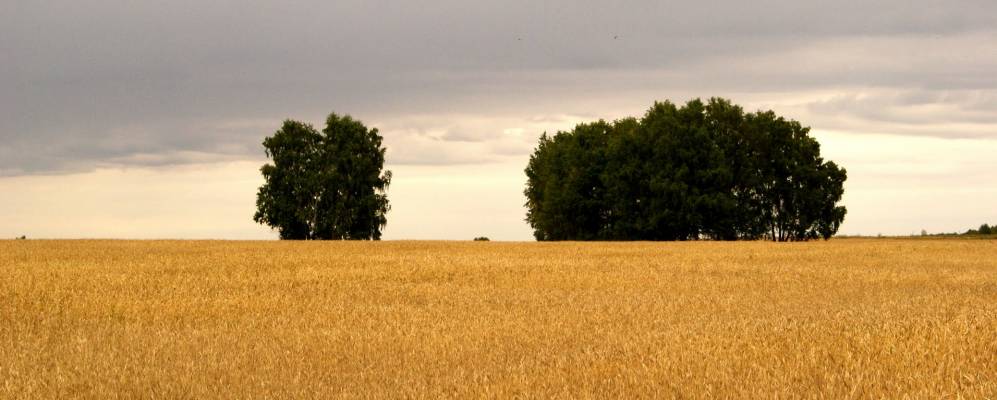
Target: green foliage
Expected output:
[985,229]
[703,170]
[326,185]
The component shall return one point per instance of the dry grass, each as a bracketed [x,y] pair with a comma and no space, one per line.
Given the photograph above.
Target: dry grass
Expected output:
[855,318]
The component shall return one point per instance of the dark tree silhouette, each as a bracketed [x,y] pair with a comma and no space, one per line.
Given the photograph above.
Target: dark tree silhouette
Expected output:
[985,229]
[327,185]
[703,170]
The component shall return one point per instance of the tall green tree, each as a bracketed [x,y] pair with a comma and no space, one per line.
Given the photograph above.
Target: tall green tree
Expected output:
[570,206]
[702,170]
[324,185]
[797,190]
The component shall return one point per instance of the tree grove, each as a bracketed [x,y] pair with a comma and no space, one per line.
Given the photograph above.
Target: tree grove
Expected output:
[699,171]
[326,185]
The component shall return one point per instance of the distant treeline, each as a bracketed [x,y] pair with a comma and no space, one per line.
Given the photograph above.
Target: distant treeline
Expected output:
[699,171]
[985,229]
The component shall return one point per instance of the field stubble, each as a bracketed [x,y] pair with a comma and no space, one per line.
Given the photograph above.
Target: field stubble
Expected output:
[204,319]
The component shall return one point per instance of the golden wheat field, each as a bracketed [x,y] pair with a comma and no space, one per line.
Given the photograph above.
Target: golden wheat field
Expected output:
[213,319]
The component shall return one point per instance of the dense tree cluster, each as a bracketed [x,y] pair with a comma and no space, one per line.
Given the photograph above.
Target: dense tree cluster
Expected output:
[985,229]
[326,185]
[700,171]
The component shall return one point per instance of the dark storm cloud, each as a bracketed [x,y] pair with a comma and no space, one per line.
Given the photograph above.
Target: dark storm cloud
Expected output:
[94,83]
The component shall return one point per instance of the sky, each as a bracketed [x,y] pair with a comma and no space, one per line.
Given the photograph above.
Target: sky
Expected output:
[124,119]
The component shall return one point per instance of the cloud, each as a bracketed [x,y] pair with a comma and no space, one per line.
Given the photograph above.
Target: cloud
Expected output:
[114,82]
[435,140]
[954,114]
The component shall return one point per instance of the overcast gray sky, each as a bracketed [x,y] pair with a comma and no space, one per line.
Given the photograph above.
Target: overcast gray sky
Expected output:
[144,119]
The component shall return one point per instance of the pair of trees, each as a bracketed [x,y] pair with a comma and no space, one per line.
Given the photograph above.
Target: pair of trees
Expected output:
[703,170]
[324,185]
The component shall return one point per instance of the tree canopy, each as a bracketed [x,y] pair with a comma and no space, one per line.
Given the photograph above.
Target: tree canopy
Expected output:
[699,171]
[324,185]
[985,229]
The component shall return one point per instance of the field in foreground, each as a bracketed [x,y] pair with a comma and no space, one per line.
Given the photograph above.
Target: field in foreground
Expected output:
[861,318]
